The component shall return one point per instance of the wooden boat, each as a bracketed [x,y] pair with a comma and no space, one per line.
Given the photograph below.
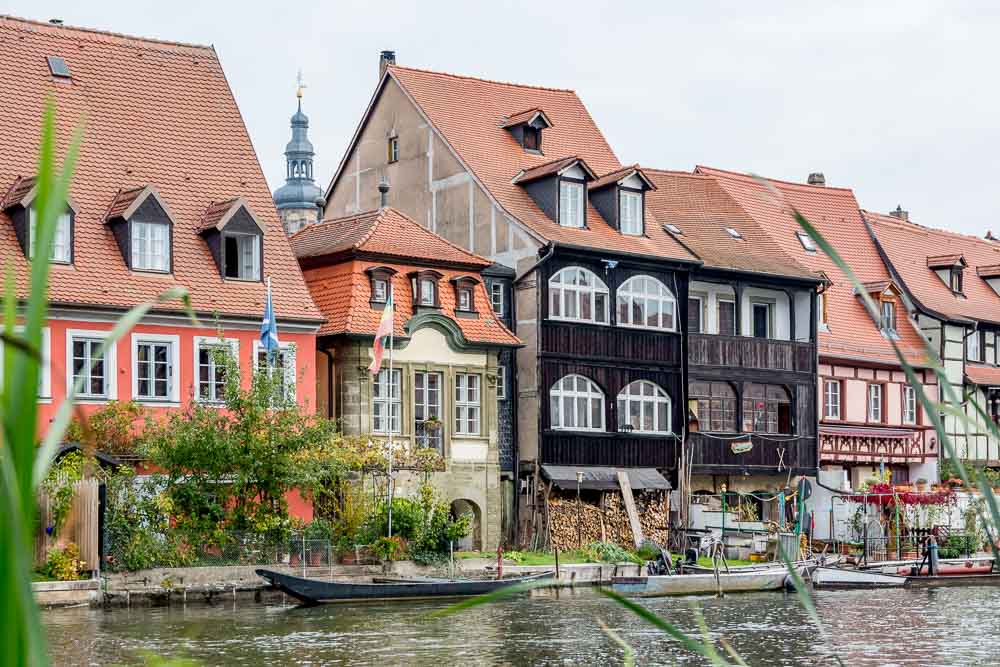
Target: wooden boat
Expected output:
[772,579]
[835,577]
[756,567]
[950,570]
[314,591]
[953,580]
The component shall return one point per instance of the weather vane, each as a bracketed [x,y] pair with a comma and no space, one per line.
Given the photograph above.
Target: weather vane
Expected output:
[300,84]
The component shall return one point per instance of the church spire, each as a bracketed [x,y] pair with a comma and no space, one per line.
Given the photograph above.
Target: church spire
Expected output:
[299,200]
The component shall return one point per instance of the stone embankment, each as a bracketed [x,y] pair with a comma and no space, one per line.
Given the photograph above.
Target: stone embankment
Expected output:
[216,585]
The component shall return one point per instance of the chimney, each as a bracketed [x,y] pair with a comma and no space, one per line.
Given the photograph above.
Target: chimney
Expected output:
[990,237]
[817,178]
[383,189]
[385,59]
[900,213]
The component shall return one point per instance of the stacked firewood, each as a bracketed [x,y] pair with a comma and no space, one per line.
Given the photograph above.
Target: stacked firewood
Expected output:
[605,520]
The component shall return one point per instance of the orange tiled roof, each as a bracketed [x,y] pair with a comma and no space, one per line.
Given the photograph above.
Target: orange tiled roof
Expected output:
[384,232]
[154,113]
[337,252]
[702,209]
[907,246]
[469,112]
[983,375]
[835,213]
[123,199]
[525,117]
[619,175]
[555,166]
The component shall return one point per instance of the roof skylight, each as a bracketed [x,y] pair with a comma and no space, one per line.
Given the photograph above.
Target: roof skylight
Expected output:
[806,241]
[732,232]
[58,67]
[674,229]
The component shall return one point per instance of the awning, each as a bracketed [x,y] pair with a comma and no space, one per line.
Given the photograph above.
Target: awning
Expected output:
[601,478]
[984,376]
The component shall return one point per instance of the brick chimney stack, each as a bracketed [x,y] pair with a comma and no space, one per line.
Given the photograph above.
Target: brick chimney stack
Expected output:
[900,213]
[385,59]
[817,178]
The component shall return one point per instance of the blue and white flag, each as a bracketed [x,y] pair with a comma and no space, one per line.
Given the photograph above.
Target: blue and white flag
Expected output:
[269,329]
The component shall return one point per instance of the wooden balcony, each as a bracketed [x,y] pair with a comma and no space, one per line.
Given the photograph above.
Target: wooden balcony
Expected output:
[616,344]
[757,353]
[711,455]
[608,449]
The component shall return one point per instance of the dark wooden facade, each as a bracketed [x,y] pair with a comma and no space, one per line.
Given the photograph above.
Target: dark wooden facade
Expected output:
[612,357]
[744,360]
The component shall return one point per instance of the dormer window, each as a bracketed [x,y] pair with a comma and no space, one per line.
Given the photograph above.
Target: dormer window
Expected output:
[62,241]
[143,227]
[956,280]
[150,246]
[465,294]
[630,212]
[888,318]
[949,269]
[241,256]
[381,281]
[235,238]
[526,128]
[570,204]
[425,288]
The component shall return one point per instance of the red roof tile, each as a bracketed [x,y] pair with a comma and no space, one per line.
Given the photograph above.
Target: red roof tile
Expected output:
[988,376]
[702,209]
[621,175]
[157,113]
[835,213]
[384,232]
[553,167]
[17,192]
[123,201]
[906,245]
[525,116]
[468,112]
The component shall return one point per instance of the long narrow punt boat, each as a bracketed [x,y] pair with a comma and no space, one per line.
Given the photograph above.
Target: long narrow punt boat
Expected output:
[925,581]
[835,577]
[755,567]
[700,584]
[314,591]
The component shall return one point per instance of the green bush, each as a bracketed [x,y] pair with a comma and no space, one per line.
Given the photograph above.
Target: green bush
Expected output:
[649,550]
[608,552]
[63,564]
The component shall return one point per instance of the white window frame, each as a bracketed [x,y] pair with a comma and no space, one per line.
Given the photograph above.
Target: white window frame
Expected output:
[501,382]
[384,297]
[807,243]
[428,287]
[173,377]
[64,226]
[572,201]
[110,366]
[211,342]
[974,352]
[468,404]
[592,392]
[828,395]
[646,403]
[496,298]
[256,265]
[393,149]
[628,294]
[150,260]
[464,295]
[630,212]
[394,399]
[44,368]
[566,292]
[288,351]
[770,308]
[871,404]
[420,398]
[908,404]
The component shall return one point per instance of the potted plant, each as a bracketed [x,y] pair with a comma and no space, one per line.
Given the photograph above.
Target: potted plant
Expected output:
[921,485]
[432,424]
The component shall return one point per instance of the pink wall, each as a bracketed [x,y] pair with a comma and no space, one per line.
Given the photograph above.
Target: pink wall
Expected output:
[305,358]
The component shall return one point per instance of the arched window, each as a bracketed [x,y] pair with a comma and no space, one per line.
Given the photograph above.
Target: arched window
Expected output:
[576,404]
[766,409]
[643,407]
[716,405]
[577,294]
[645,302]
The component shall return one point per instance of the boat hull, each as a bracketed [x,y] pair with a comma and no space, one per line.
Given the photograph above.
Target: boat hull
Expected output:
[314,591]
[949,570]
[701,584]
[954,580]
[831,577]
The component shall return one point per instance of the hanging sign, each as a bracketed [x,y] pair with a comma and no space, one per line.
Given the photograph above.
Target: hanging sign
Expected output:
[741,446]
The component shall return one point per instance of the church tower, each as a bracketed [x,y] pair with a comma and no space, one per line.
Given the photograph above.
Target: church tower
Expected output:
[299,200]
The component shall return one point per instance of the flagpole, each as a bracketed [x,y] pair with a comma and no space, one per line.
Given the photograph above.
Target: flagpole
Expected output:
[392,386]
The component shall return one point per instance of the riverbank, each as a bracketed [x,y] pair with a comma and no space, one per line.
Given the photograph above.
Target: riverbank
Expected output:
[210,585]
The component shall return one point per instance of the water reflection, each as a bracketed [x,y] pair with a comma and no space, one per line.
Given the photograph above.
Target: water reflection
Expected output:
[920,627]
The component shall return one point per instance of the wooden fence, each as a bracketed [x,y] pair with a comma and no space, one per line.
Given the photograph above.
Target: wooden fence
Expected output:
[80,527]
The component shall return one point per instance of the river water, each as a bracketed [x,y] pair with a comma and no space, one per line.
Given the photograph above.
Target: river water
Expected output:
[947,626]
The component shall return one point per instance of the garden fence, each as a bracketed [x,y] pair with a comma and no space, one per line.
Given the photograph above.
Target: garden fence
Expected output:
[235,548]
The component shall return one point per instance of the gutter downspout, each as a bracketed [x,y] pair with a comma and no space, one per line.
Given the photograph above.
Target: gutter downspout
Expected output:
[329,382]
[548,255]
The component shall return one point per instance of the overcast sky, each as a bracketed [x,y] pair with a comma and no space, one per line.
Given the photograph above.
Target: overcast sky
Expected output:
[899,101]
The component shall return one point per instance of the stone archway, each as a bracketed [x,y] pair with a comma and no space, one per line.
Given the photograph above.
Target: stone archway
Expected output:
[474,540]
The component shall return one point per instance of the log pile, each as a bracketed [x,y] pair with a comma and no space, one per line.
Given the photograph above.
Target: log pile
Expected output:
[605,520]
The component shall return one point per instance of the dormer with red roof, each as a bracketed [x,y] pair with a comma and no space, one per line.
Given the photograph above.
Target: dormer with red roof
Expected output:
[143,229]
[526,128]
[620,197]
[17,203]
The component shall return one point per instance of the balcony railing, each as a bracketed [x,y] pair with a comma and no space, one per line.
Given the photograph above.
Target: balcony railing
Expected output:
[608,449]
[777,452]
[744,352]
